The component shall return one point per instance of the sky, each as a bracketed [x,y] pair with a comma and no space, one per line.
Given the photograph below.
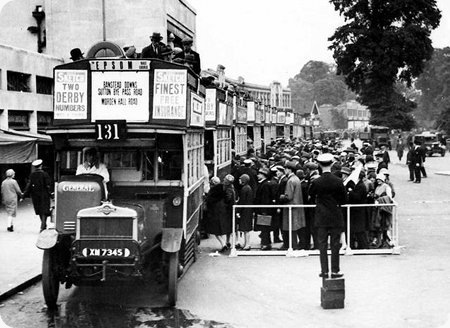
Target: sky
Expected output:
[266,40]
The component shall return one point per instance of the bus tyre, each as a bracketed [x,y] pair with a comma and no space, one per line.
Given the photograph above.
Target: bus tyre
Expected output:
[173,278]
[50,281]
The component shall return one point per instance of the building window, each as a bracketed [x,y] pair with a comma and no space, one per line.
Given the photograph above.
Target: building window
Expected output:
[18,81]
[44,120]
[18,120]
[44,85]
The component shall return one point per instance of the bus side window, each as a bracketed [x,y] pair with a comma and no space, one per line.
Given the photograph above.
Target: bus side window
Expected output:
[148,165]
[170,165]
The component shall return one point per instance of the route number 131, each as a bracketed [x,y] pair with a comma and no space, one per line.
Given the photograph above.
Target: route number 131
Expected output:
[109,130]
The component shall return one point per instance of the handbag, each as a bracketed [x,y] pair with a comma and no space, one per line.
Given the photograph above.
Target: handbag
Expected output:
[264,220]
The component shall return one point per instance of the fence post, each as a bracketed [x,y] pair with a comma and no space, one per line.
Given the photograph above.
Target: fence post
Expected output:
[290,249]
[348,250]
[233,252]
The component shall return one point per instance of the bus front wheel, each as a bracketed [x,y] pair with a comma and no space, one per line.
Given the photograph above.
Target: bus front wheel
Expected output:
[173,278]
[50,281]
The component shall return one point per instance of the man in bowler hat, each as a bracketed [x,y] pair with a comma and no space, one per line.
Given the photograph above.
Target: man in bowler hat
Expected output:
[76,54]
[154,49]
[329,194]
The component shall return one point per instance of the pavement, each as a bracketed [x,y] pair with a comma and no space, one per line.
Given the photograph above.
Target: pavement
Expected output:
[20,259]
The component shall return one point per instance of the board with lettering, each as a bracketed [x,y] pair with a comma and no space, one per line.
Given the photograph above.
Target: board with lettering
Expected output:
[70,95]
[120,95]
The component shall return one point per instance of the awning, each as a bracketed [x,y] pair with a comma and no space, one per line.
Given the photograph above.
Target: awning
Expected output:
[18,147]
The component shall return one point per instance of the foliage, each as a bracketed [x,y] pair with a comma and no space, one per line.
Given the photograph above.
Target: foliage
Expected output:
[313,71]
[434,84]
[383,42]
[339,119]
[317,81]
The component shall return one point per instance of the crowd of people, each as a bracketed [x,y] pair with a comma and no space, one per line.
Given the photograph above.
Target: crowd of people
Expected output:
[184,55]
[286,175]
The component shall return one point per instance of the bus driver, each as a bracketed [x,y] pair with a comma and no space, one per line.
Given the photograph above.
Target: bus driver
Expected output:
[92,165]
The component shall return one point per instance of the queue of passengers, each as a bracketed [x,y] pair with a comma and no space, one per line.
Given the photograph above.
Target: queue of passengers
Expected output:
[159,50]
[282,176]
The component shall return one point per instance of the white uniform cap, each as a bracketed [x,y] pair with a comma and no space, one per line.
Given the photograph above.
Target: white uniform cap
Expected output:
[325,159]
[37,162]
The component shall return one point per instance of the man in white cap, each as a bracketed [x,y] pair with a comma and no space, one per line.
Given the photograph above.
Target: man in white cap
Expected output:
[39,187]
[329,194]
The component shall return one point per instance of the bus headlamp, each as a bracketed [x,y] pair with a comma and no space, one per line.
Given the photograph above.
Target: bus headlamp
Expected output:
[176,201]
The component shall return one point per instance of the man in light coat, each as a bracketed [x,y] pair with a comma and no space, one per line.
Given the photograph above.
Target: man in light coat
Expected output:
[292,196]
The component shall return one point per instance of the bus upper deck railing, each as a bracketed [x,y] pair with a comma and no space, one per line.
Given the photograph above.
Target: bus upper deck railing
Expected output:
[290,252]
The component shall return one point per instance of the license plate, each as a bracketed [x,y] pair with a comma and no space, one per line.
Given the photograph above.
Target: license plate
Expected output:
[117,252]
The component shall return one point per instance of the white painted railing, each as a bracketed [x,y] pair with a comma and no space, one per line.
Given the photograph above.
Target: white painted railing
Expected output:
[290,252]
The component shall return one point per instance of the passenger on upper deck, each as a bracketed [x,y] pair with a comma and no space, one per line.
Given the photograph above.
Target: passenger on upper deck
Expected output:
[130,52]
[189,56]
[92,165]
[154,49]
[76,54]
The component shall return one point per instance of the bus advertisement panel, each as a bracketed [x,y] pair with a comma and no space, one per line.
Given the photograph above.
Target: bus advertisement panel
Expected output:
[169,94]
[70,99]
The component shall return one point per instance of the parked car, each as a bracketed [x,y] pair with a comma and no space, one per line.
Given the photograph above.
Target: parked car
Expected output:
[432,142]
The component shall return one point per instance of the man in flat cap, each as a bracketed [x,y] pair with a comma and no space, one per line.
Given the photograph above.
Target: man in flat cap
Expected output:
[329,194]
[189,56]
[154,49]
[264,196]
[39,188]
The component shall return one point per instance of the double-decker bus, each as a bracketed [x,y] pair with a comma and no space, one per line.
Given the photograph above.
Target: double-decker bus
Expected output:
[219,122]
[145,120]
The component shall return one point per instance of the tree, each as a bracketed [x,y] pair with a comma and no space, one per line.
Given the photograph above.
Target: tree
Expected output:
[434,86]
[313,71]
[330,90]
[317,81]
[339,119]
[383,42]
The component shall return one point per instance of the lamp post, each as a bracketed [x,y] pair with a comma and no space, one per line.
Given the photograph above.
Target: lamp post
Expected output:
[39,15]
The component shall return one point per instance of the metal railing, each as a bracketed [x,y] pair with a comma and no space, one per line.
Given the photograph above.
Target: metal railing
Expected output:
[290,252]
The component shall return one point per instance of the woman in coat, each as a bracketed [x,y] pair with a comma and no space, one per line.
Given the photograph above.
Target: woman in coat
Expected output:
[10,190]
[358,215]
[245,215]
[229,201]
[215,209]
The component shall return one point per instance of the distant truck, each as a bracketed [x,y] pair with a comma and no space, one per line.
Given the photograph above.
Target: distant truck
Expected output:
[432,142]
[377,136]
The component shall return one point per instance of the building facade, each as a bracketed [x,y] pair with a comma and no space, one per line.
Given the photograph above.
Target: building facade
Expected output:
[349,115]
[37,35]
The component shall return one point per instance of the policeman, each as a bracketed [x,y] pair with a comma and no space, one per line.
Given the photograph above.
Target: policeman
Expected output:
[329,193]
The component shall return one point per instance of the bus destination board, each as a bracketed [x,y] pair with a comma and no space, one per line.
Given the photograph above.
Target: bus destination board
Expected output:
[120,96]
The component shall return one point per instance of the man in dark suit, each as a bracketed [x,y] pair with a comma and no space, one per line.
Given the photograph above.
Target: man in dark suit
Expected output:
[409,161]
[417,160]
[39,188]
[188,56]
[264,197]
[329,193]
[155,49]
